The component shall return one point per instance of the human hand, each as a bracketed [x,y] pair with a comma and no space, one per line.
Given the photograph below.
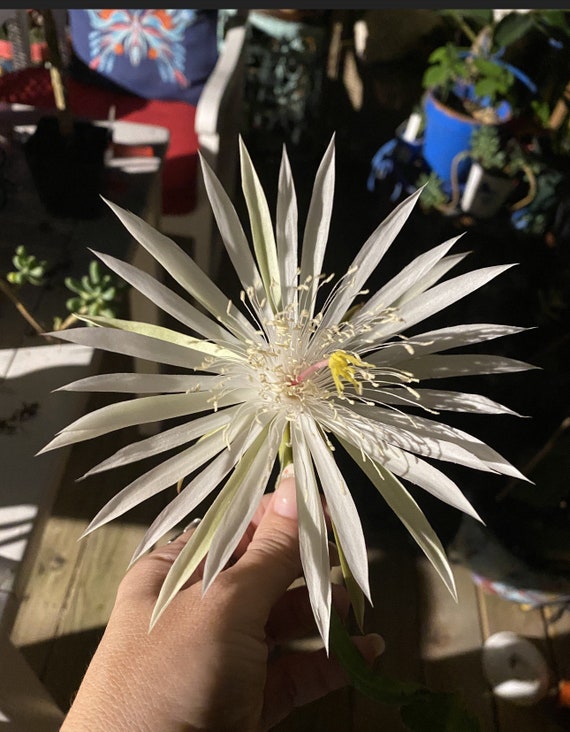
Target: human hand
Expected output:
[213,662]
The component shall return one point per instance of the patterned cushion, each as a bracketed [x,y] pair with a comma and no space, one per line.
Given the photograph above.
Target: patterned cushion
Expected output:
[156,54]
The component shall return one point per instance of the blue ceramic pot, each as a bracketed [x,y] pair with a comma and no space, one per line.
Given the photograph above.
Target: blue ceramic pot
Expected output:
[447,134]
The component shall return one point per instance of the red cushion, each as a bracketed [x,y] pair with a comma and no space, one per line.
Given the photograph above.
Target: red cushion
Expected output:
[32,86]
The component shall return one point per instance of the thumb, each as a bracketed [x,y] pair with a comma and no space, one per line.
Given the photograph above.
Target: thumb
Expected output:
[272,562]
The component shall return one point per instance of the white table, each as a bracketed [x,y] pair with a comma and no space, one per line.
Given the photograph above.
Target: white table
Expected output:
[30,370]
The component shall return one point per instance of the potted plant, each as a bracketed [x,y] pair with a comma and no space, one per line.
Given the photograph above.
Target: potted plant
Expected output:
[66,156]
[467,87]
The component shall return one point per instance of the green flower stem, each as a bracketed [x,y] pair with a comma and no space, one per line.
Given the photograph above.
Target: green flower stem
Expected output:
[285,449]
[421,709]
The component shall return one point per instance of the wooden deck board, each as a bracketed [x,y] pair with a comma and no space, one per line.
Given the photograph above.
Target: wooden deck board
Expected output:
[451,640]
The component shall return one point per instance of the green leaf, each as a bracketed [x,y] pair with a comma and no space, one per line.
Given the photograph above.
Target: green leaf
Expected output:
[512,28]
[354,592]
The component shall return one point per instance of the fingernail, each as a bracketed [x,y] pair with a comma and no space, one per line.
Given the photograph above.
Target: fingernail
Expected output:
[377,644]
[191,525]
[285,499]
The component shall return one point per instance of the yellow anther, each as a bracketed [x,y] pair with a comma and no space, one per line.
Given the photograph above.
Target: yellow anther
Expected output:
[343,367]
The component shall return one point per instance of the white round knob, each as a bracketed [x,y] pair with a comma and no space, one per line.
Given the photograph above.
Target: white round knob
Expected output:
[515,669]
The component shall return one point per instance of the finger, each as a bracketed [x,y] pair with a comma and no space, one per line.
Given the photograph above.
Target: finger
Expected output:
[149,572]
[271,561]
[297,679]
[253,524]
[292,617]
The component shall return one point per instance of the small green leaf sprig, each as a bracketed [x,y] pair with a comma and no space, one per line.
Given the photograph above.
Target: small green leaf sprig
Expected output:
[95,293]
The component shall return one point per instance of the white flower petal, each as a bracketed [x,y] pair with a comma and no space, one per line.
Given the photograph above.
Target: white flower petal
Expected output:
[161,333]
[162,476]
[135,412]
[234,239]
[184,271]
[261,228]
[437,298]
[440,367]
[200,541]
[430,429]
[135,383]
[167,300]
[239,510]
[166,440]
[440,340]
[403,281]
[439,269]
[317,228]
[409,513]
[453,401]
[313,540]
[198,488]
[368,258]
[339,502]
[286,235]
[135,345]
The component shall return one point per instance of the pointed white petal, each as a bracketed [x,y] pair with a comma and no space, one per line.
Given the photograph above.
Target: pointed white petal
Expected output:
[240,508]
[167,300]
[340,503]
[440,269]
[163,441]
[441,367]
[437,298]
[409,513]
[162,476]
[261,228]
[417,471]
[368,258]
[199,488]
[135,412]
[233,237]
[198,545]
[165,334]
[452,401]
[317,227]
[442,339]
[406,465]
[134,383]
[286,232]
[134,344]
[313,541]
[184,271]
[429,429]
[403,281]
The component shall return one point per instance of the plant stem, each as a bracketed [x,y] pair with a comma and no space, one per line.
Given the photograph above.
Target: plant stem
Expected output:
[463,25]
[69,321]
[7,290]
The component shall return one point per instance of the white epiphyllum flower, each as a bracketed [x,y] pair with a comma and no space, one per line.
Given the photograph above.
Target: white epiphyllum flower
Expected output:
[278,378]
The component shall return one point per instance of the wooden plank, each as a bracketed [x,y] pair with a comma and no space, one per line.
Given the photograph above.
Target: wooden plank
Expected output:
[451,641]
[29,484]
[24,704]
[498,615]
